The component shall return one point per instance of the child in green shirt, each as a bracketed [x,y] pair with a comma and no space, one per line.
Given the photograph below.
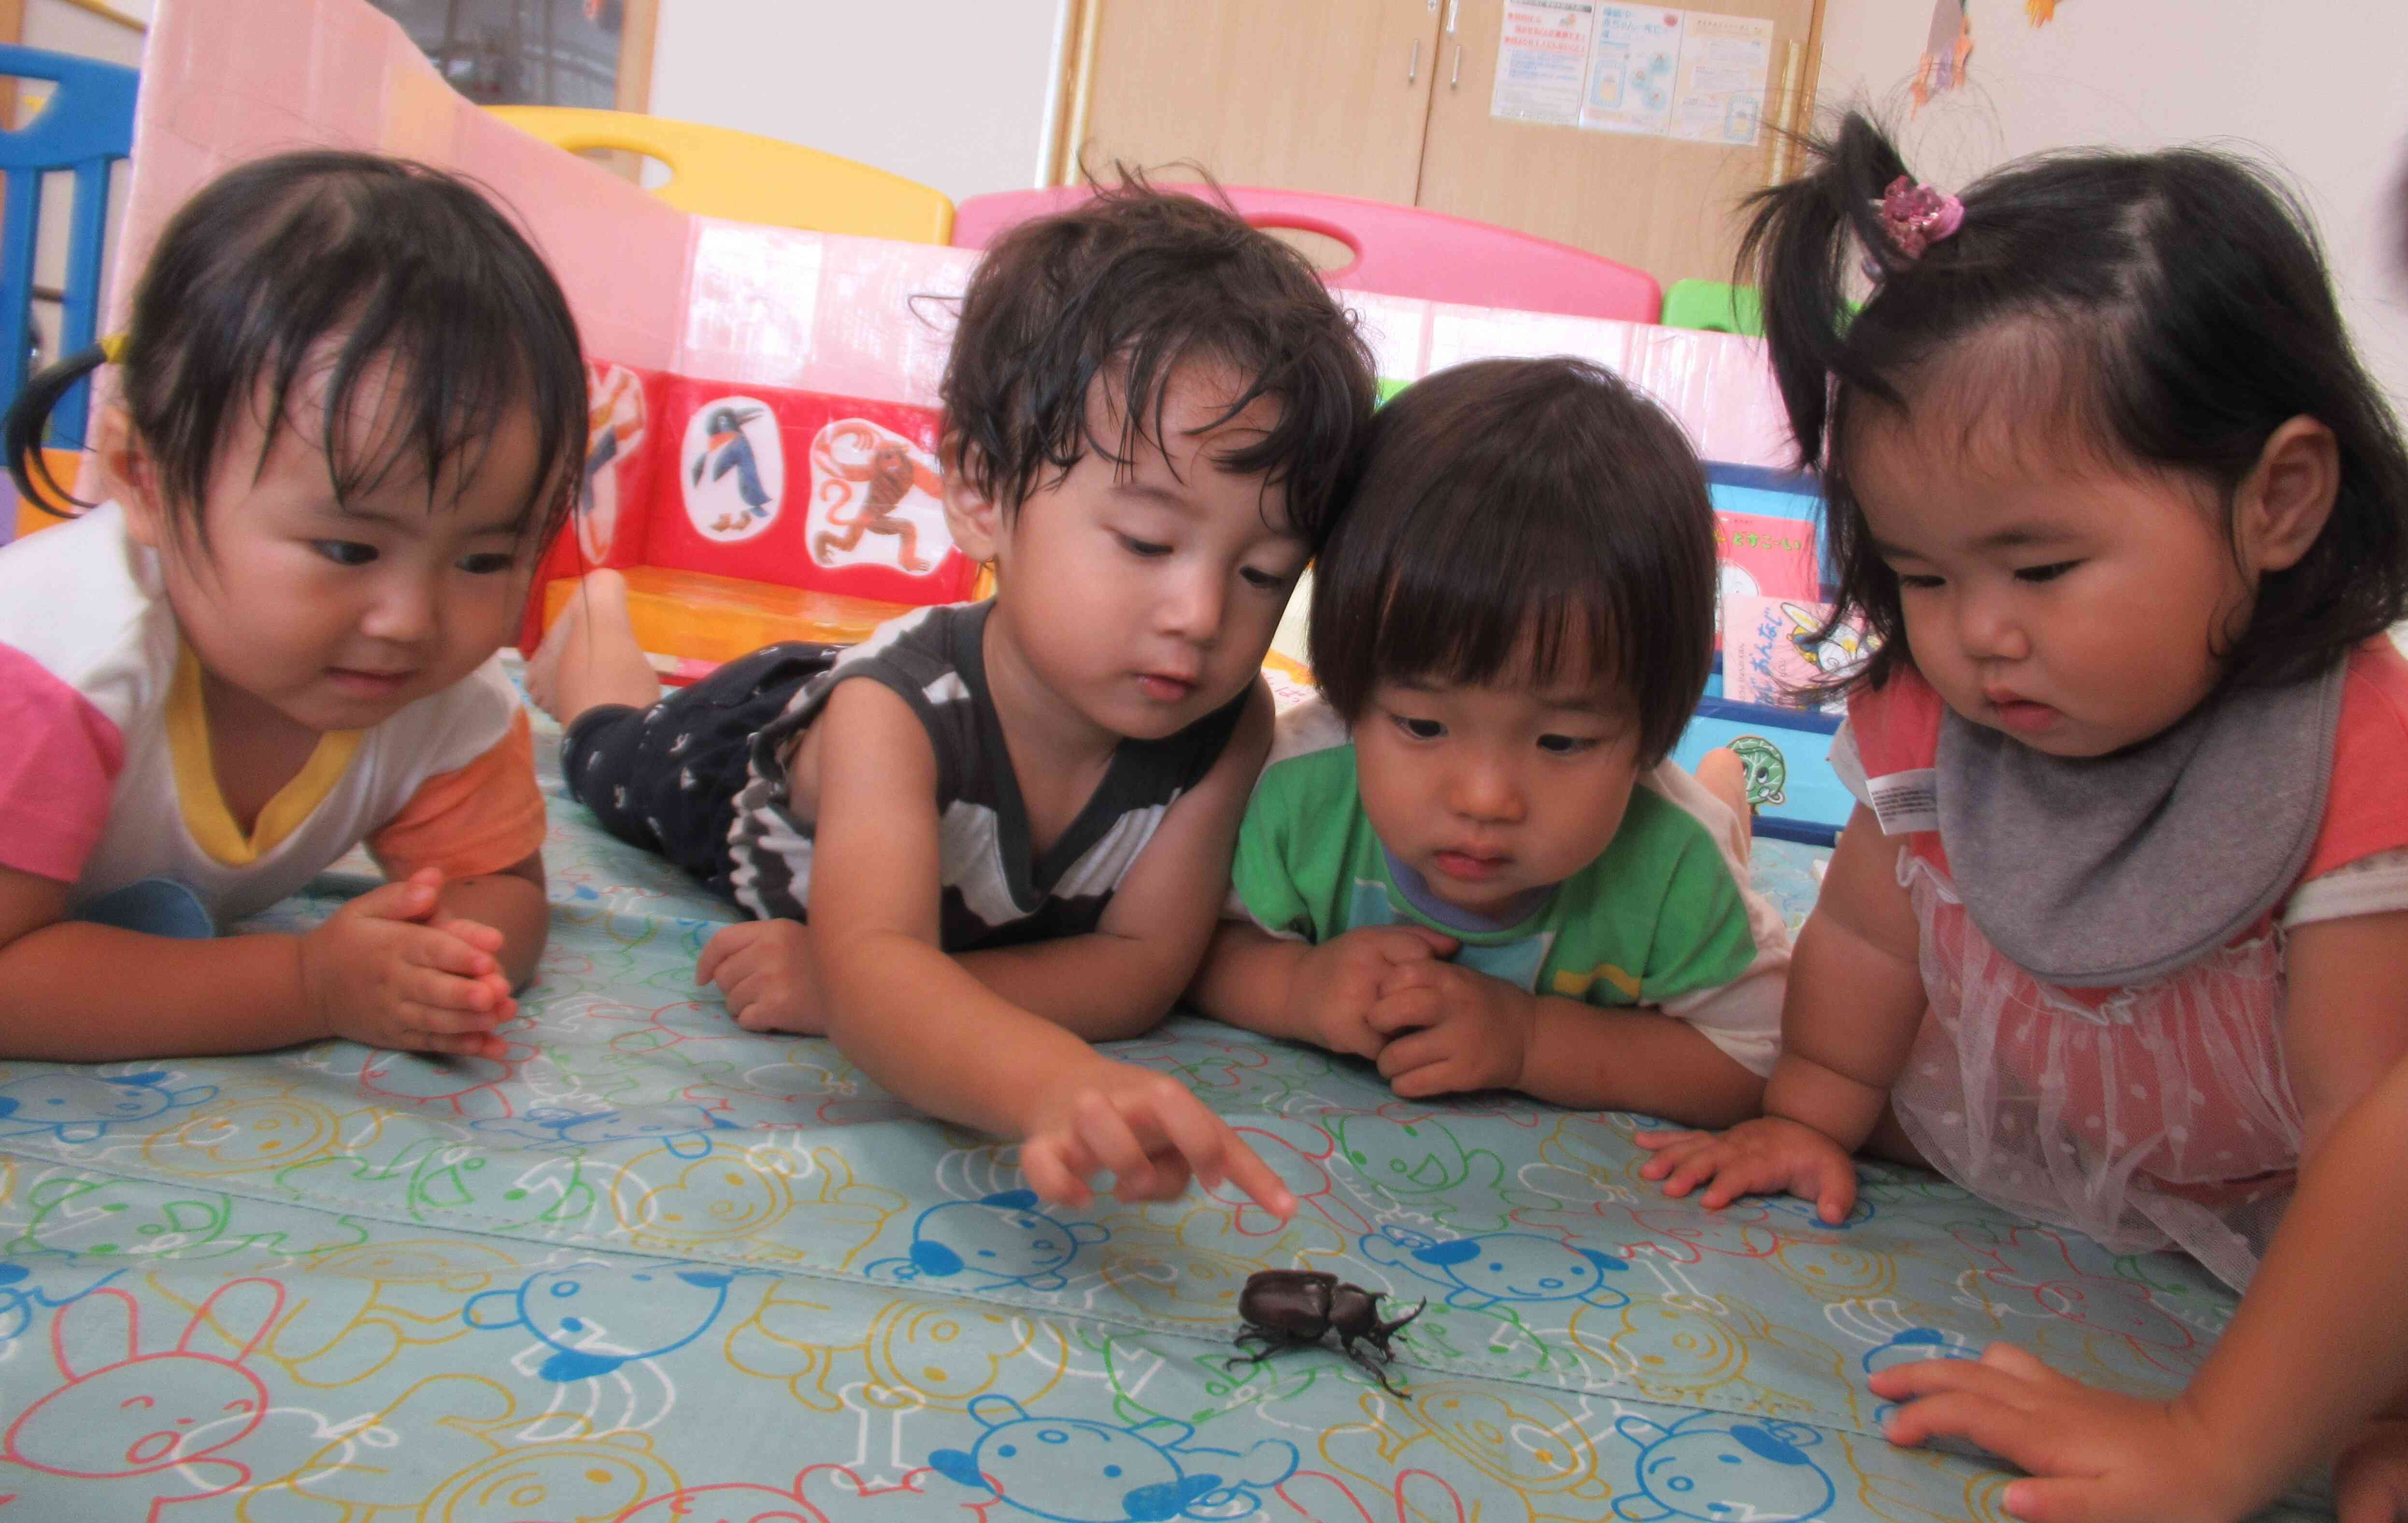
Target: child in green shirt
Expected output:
[1471,861]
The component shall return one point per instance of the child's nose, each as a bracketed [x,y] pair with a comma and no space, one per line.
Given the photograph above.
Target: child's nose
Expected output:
[1989,629]
[403,610]
[1191,608]
[1485,791]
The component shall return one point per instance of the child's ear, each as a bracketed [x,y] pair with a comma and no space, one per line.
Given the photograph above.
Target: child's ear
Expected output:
[129,476]
[2288,497]
[975,518]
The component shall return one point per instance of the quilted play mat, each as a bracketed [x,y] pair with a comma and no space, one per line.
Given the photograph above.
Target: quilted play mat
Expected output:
[655,1268]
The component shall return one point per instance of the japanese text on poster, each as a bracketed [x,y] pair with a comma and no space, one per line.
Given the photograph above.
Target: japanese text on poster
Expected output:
[1542,61]
[1631,69]
[1723,63]
[1645,70]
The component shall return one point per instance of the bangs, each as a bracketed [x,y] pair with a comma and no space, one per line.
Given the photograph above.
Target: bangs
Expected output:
[395,300]
[1524,523]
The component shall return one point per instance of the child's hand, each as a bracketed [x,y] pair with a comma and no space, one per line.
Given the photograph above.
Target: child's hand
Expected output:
[1767,1155]
[384,973]
[1336,982]
[1148,1130]
[769,976]
[1450,1028]
[2095,1457]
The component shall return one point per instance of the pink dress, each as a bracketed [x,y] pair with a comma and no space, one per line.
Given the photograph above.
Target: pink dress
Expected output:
[2149,1116]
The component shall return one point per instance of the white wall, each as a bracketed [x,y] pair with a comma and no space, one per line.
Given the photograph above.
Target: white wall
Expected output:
[953,93]
[2314,86]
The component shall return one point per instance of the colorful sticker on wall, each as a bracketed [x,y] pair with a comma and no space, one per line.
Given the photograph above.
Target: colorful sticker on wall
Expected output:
[1772,653]
[1946,48]
[735,468]
[614,431]
[876,500]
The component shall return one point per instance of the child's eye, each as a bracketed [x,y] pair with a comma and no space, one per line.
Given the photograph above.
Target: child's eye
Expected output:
[1919,581]
[2050,572]
[1265,580]
[1419,729]
[345,552]
[1568,745]
[1143,549]
[486,564]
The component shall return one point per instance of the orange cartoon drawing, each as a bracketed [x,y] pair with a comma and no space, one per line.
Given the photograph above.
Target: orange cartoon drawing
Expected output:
[858,466]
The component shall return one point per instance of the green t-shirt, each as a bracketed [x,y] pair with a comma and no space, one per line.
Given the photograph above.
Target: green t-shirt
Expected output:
[1657,916]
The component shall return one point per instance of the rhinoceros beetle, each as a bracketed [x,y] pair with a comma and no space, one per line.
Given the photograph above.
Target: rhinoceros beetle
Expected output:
[1288,1309]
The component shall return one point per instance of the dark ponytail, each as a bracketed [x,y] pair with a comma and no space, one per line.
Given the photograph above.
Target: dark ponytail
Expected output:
[2171,309]
[29,422]
[1804,246]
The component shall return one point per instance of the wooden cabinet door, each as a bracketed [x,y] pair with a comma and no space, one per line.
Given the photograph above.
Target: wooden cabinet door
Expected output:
[1297,94]
[1661,204]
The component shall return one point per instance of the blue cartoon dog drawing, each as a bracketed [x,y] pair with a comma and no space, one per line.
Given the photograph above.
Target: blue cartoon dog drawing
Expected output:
[1502,1268]
[1073,1469]
[1722,1469]
[595,1318]
[1002,1236]
[82,1107]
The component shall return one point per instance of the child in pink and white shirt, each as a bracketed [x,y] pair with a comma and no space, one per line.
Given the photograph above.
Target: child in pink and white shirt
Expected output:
[352,402]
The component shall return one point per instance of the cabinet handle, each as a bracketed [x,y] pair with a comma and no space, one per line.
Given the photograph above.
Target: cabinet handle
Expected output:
[1453,14]
[1414,68]
[1455,81]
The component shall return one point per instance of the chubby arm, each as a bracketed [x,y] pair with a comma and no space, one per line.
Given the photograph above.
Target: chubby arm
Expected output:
[1855,997]
[512,905]
[2344,1014]
[2318,1345]
[1856,993]
[79,993]
[1595,1059]
[920,1025]
[1121,980]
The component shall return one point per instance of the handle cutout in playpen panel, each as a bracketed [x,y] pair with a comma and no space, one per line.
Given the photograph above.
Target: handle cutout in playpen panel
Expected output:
[1332,248]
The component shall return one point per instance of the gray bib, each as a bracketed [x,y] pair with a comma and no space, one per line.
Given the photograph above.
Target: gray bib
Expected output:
[2106,870]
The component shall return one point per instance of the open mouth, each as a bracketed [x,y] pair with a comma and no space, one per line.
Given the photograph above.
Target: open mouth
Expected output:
[1165,687]
[1470,867]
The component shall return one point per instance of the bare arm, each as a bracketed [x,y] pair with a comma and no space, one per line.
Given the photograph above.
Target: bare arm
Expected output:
[2344,1014]
[1121,980]
[1856,999]
[2318,1345]
[512,902]
[923,1026]
[1856,993]
[1594,1059]
[79,992]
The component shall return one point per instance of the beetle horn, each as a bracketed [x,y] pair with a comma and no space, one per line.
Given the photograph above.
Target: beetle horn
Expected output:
[1388,1329]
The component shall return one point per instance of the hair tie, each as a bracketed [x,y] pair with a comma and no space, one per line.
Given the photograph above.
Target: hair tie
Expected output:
[1915,216]
[112,348]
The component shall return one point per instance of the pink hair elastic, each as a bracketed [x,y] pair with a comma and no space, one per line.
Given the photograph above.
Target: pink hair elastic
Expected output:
[1915,216]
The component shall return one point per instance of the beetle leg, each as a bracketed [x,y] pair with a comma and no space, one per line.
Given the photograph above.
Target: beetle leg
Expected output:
[1376,1370]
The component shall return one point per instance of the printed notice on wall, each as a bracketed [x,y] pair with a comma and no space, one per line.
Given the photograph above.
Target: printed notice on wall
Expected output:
[1724,61]
[1643,70]
[1542,61]
[1632,68]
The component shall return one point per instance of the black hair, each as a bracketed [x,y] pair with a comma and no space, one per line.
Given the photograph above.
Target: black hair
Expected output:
[1523,510]
[2172,307]
[1125,288]
[360,260]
